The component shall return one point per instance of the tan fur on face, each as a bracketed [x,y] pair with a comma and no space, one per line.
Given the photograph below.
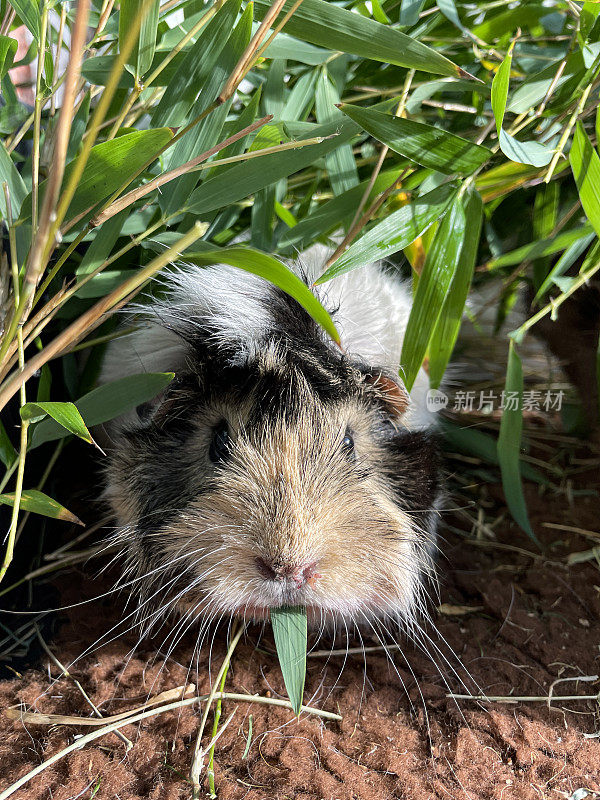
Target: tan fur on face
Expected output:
[292,496]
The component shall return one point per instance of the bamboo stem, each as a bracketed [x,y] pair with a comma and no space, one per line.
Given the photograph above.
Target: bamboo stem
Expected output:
[97,312]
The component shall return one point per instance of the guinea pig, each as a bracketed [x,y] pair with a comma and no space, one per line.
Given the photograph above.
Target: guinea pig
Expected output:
[277,468]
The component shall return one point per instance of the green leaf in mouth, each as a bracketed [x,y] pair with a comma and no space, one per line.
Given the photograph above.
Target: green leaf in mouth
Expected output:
[289,630]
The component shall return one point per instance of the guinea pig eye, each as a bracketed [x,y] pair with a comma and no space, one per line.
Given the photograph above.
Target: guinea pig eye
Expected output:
[219,445]
[348,445]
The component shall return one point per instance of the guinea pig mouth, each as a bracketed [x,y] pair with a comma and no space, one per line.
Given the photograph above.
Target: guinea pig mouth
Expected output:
[256,613]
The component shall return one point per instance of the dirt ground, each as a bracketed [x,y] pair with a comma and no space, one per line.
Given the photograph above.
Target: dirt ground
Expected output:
[521,623]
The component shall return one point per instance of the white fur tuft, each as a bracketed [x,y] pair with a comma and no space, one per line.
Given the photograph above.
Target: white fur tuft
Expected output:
[370,310]
[372,313]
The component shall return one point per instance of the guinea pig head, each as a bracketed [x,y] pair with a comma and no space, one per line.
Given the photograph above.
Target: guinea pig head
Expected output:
[272,472]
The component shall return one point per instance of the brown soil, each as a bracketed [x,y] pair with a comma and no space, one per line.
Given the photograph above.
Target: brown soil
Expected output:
[532,621]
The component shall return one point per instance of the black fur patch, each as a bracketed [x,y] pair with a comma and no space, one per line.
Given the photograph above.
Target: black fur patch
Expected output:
[412,466]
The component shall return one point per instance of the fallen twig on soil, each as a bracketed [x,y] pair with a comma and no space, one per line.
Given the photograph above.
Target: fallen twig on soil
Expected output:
[129,720]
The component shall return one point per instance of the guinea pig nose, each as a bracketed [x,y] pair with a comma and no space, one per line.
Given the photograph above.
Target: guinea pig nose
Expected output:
[279,570]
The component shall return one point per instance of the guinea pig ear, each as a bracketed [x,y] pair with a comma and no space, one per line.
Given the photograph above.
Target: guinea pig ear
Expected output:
[389,392]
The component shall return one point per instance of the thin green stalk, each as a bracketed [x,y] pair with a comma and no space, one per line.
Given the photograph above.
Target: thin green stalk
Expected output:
[133,243]
[37,123]
[59,44]
[554,304]
[210,771]
[12,530]
[50,276]
[95,122]
[43,241]
[197,760]
[138,89]
[567,132]
[151,160]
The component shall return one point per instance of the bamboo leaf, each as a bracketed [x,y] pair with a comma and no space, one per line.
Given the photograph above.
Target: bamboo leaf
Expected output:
[8,48]
[509,442]
[409,12]
[586,171]
[104,241]
[107,402]
[473,442]
[544,247]
[8,454]
[394,233]
[545,216]
[438,271]
[96,70]
[205,135]
[270,269]
[427,145]
[340,163]
[566,261]
[247,178]
[500,88]
[327,25]
[109,165]
[195,68]
[534,153]
[333,213]
[29,12]
[65,414]
[284,46]
[301,97]
[16,186]
[448,325]
[39,503]
[534,88]
[142,54]
[290,633]
[78,127]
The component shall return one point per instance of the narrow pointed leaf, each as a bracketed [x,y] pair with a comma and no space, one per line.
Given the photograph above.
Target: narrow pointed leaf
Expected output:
[509,442]
[340,163]
[142,54]
[473,442]
[271,269]
[586,171]
[334,212]
[409,12]
[394,233]
[196,65]
[109,165]
[8,454]
[30,14]
[249,177]
[448,325]
[66,414]
[327,25]
[290,632]
[566,261]
[8,48]
[435,280]
[205,135]
[107,402]
[39,503]
[427,145]
[500,89]
[544,247]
